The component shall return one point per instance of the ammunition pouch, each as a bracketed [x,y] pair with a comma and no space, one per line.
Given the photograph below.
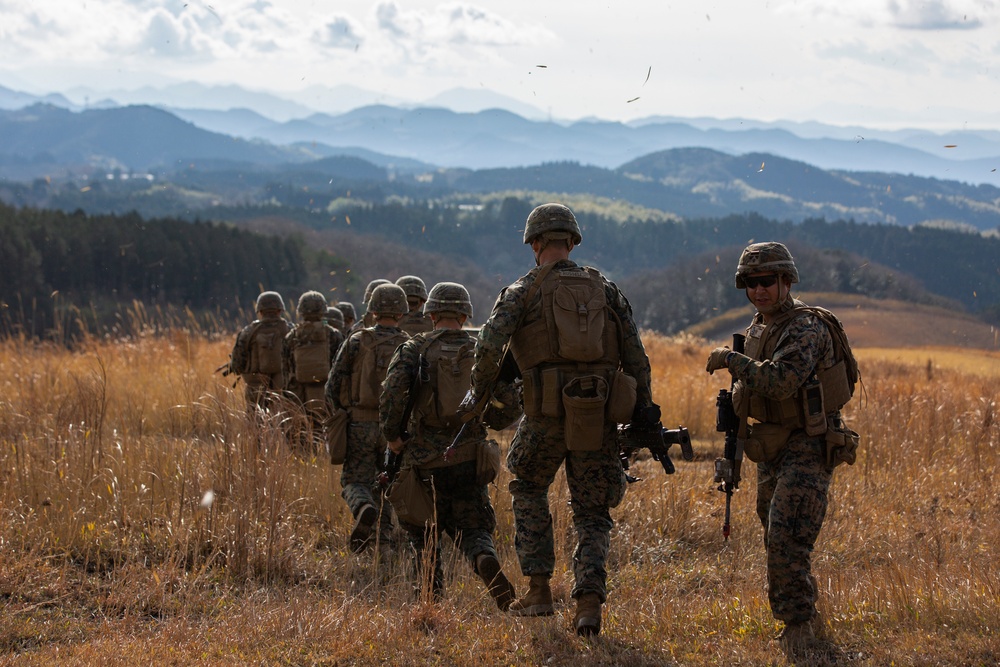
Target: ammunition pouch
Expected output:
[584,399]
[411,497]
[766,441]
[336,435]
[841,444]
[621,402]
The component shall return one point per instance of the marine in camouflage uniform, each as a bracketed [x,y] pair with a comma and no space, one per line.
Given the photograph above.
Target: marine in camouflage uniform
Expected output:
[595,478]
[309,391]
[350,317]
[368,319]
[792,488]
[462,500]
[415,321]
[365,444]
[256,354]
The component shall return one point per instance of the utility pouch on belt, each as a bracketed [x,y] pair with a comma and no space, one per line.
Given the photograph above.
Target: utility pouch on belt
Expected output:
[411,497]
[621,403]
[336,435]
[813,412]
[584,399]
[841,444]
[531,393]
[765,441]
[552,392]
[487,461]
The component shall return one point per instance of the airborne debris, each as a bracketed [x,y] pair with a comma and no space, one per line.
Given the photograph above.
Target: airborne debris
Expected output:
[542,66]
[951,145]
[631,100]
[648,72]
[761,168]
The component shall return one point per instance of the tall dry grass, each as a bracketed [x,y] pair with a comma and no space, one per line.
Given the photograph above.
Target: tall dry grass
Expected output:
[143,516]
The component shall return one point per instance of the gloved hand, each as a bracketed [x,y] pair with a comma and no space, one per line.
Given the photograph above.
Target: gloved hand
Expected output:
[467,407]
[719,358]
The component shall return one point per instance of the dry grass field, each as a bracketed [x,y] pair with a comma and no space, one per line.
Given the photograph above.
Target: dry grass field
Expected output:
[144,520]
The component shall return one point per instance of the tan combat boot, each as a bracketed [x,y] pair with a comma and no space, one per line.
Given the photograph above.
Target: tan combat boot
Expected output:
[588,615]
[538,600]
[488,569]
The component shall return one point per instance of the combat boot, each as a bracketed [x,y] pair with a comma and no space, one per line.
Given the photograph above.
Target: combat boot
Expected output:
[362,532]
[488,569]
[588,615]
[538,600]
[797,637]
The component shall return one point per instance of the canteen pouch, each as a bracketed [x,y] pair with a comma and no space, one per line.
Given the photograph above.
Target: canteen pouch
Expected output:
[621,402]
[411,497]
[765,441]
[336,435]
[584,400]
[841,445]
[487,461]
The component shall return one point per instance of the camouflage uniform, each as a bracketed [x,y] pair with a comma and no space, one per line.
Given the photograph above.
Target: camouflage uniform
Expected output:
[365,445]
[464,511]
[595,478]
[792,489]
[259,387]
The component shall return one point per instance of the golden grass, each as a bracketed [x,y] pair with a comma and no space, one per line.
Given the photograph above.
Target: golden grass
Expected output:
[111,553]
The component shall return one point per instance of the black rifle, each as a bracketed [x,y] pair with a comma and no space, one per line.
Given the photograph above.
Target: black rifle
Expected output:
[657,440]
[727,468]
[392,461]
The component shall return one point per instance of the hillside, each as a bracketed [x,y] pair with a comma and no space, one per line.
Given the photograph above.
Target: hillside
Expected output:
[875,323]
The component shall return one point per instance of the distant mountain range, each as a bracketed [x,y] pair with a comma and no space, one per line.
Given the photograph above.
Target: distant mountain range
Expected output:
[700,168]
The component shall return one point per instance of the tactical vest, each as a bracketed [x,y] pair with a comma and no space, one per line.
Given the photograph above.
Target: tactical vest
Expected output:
[449,356]
[571,325]
[837,388]
[375,350]
[265,351]
[414,323]
[311,352]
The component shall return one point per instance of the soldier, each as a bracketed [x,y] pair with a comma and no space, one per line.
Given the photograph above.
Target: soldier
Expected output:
[335,318]
[350,316]
[368,320]
[788,350]
[355,384]
[307,354]
[564,356]
[256,355]
[415,321]
[443,357]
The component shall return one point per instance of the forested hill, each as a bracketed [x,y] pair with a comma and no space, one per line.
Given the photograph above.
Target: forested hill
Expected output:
[90,268]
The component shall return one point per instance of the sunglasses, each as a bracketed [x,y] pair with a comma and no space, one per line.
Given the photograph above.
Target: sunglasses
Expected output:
[764,281]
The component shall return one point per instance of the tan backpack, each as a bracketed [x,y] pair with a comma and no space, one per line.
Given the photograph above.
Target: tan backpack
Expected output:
[449,369]
[311,352]
[372,364]
[265,346]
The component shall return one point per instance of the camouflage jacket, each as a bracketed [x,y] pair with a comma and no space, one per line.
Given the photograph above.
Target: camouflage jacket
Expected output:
[426,444]
[289,344]
[503,322]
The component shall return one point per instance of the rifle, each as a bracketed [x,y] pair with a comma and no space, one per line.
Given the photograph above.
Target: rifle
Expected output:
[658,441]
[392,461]
[727,468]
[224,369]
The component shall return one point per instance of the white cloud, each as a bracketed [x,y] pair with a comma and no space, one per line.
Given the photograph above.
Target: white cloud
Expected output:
[340,32]
[904,14]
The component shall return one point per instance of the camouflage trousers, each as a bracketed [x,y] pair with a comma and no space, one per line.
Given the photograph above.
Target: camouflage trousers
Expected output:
[791,503]
[596,484]
[363,462]
[464,513]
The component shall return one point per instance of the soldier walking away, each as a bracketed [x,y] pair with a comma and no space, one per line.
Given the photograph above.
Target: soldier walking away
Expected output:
[354,385]
[368,319]
[415,321]
[796,374]
[569,329]
[307,354]
[256,355]
[350,316]
[335,318]
[427,380]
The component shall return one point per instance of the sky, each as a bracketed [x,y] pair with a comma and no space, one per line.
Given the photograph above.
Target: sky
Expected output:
[875,63]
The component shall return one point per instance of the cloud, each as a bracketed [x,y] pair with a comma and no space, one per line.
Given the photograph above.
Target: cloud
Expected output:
[930,15]
[340,33]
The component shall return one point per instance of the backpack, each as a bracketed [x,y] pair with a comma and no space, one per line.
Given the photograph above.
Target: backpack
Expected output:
[578,312]
[372,364]
[845,374]
[265,346]
[449,369]
[311,352]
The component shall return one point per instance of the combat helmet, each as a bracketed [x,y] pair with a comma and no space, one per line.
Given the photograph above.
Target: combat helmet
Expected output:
[388,300]
[413,286]
[764,257]
[269,301]
[312,304]
[371,288]
[347,310]
[552,218]
[449,297]
[335,317]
